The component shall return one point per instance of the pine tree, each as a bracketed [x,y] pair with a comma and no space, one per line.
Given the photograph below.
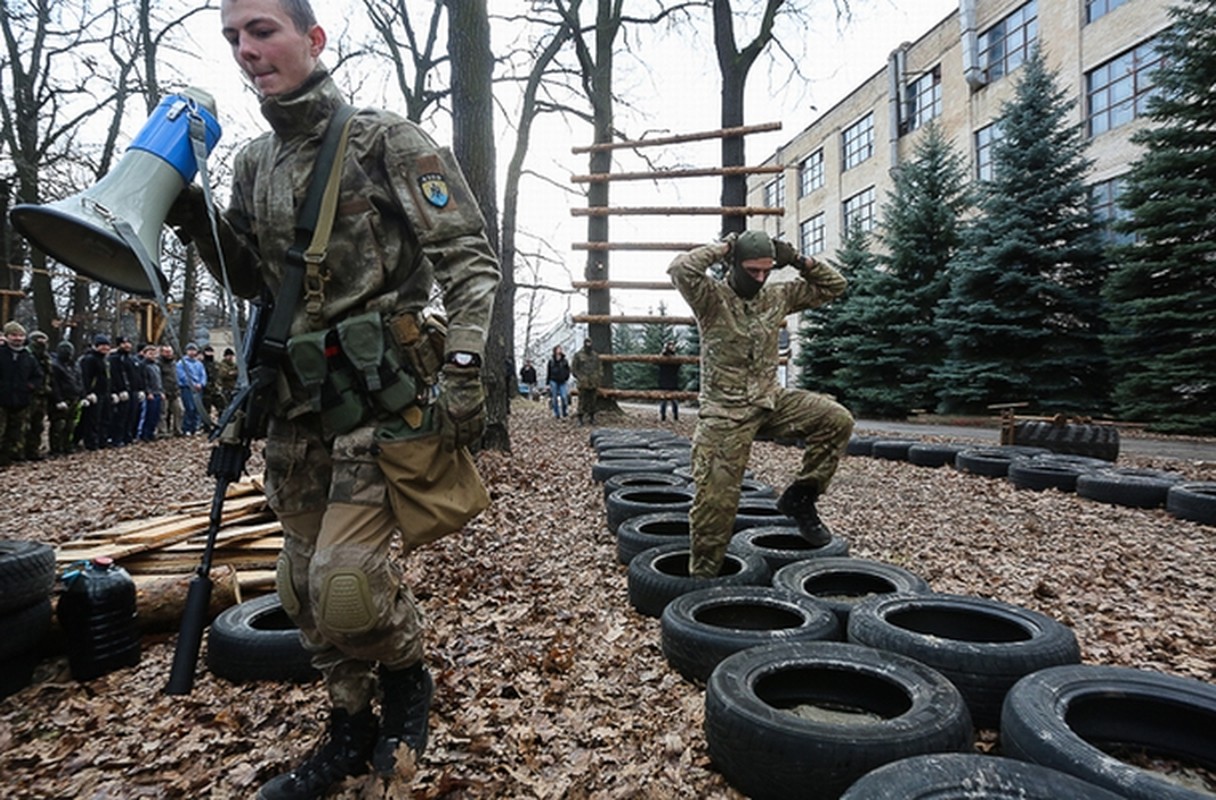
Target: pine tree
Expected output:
[691,375]
[1163,292]
[627,374]
[921,229]
[1023,319]
[654,336]
[827,334]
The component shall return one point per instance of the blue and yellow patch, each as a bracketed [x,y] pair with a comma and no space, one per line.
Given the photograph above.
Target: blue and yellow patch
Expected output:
[435,189]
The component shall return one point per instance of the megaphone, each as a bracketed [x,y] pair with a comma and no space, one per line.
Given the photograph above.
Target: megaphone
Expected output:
[91,232]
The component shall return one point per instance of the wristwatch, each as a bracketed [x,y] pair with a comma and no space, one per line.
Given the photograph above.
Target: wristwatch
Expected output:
[463,359]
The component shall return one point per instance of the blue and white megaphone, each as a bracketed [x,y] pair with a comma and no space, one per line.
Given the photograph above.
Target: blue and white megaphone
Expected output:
[100,231]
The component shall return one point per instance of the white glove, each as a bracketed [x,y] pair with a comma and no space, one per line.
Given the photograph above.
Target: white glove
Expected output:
[61,406]
[113,399]
[140,396]
[90,398]
[124,396]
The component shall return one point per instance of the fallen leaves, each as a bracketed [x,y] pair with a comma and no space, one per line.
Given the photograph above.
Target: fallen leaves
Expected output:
[548,685]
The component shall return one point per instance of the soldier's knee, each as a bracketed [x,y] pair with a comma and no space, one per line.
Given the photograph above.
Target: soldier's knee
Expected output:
[345,604]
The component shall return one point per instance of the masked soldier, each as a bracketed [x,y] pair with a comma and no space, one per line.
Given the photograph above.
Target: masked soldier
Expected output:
[405,218]
[587,369]
[39,400]
[66,390]
[739,321]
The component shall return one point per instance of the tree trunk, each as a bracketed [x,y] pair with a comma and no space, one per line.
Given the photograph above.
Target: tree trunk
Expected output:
[473,144]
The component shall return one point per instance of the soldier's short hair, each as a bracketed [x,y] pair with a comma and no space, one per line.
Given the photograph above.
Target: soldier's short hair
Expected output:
[301,14]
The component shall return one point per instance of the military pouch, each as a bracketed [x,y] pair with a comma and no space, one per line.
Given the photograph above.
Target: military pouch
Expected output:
[329,379]
[397,387]
[342,404]
[362,340]
[306,353]
[421,344]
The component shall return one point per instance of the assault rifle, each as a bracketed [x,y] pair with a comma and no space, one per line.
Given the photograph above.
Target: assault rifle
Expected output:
[243,421]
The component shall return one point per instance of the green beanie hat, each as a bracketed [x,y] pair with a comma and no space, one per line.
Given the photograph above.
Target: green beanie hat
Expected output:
[753,244]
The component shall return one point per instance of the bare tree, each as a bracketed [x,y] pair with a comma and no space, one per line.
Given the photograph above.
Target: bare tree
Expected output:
[412,51]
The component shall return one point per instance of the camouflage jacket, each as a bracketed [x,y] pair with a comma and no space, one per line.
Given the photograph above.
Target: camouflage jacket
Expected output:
[405,218]
[586,367]
[739,337]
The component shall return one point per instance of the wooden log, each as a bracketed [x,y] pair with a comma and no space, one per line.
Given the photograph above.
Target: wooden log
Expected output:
[676,247]
[621,285]
[675,211]
[646,358]
[720,133]
[667,174]
[648,394]
[624,319]
[161,601]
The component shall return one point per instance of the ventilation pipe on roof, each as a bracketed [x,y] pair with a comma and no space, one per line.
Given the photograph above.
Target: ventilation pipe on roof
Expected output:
[897,66]
[971,69]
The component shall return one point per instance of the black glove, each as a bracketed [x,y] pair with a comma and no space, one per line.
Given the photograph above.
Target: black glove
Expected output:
[188,214]
[785,254]
[461,406]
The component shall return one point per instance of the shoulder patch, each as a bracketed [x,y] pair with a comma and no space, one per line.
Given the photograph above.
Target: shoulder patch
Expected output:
[434,188]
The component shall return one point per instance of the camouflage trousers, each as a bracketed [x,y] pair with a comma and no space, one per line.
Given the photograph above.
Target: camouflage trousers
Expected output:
[12,434]
[588,397]
[335,574]
[722,446]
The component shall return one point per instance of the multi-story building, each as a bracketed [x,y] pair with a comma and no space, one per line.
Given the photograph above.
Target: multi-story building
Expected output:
[959,74]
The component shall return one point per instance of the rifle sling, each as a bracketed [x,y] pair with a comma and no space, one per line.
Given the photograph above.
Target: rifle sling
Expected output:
[312,239]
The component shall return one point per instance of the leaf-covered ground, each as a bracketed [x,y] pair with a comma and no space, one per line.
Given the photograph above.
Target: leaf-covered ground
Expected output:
[549,684]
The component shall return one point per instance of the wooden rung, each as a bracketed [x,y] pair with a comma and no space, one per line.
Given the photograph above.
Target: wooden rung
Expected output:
[646,358]
[648,394]
[720,133]
[608,319]
[622,285]
[667,174]
[673,211]
[680,247]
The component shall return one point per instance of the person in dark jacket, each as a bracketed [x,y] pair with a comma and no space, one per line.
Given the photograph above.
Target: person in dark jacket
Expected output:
[527,376]
[153,393]
[557,375]
[19,376]
[122,392]
[65,399]
[669,381]
[35,424]
[95,383]
[172,411]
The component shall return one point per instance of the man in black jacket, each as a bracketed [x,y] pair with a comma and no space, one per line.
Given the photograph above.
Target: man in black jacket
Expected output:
[65,398]
[95,383]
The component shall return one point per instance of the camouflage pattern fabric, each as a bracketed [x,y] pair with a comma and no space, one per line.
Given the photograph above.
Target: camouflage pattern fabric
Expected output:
[405,219]
[589,371]
[740,396]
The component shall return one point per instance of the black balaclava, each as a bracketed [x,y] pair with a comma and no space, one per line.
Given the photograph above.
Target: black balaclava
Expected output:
[749,245]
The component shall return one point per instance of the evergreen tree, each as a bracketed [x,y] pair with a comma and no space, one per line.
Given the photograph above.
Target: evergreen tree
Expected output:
[627,374]
[827,335]
[921,229]
[1023,319]
[1163,292]
[654,336]
[691,374]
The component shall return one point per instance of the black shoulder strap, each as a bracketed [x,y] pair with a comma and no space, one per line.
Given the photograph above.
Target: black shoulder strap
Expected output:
[274,342]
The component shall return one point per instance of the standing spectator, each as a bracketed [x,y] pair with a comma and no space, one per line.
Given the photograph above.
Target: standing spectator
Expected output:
[19,377]
[122,391]
[557,375]
[527,376]
[173,410]
[154,393]
[339,576]
[65,399]
[211,393]
[589,372]
[739,319]
[669,381]
[139,392]
[191,380]
[40,400]
[95,383]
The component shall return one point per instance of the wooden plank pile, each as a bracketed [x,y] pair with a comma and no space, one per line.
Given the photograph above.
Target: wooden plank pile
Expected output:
[163,553]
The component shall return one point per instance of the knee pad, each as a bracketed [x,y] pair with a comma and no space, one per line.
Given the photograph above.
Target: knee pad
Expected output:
[346,602]
[286,587]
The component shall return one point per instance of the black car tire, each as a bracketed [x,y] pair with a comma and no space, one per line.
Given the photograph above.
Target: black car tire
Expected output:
[659,575]
[257,641]
[779,545]
[641,479]
[971,776]
[27,573]
[809,719]
[928,454]
[650,530]
[1193,500]
[602,470]
[634,501]
[842,583]
[1128,486]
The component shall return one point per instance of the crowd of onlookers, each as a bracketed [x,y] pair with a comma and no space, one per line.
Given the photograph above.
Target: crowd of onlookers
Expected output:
[53,403]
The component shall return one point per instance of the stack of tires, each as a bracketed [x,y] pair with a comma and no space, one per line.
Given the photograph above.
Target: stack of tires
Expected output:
[27,580]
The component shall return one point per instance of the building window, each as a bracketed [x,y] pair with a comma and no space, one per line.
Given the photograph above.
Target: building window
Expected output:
[810,173]
[811,236]
[1118,91]
[1104,200]
[1004,46]
[858,140]
[1100,8]
[774,192]
[924,101]
[859,210]
[985,138]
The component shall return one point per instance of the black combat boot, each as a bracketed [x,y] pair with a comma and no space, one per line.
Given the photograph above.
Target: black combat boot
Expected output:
[798,503]
[404,707]
[345,752]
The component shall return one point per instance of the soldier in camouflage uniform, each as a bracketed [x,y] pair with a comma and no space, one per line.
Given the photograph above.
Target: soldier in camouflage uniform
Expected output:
[589,372]
[405,219]
[35,425]
[739,320]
